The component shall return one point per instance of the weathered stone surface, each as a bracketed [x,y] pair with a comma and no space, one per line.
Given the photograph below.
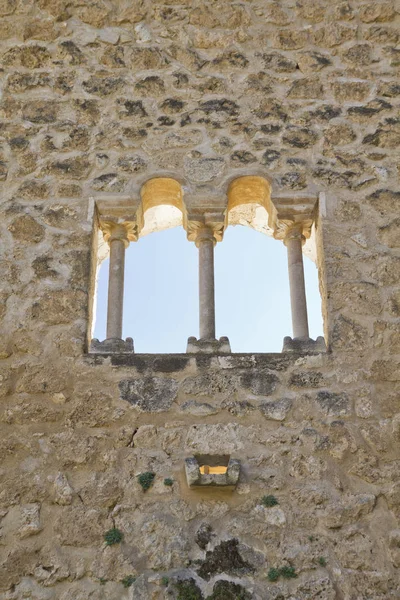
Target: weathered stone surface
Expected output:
[276,411]
[214,439]
[260,383]
[337,135]
[225,558]
[333,404]
[77,526]
[62,491]
[298,137]
[26,229]
[97,97]
[30,520]
[306,88]
[60,306]
[202,170]
[199,409]
[152,394]
[346,91]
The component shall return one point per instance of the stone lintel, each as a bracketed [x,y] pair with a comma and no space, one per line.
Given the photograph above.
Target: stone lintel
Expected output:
[287,213]
[111,207]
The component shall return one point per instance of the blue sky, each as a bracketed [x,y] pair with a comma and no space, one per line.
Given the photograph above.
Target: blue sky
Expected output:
[252,292]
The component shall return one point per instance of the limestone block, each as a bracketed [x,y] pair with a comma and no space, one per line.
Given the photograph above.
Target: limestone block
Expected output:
[60,306]
[373,12]
[346,91]
[394,545]
[349,510]
[62,491]
[102,490]
[277,410]
[199,409]
[272,515]
[78,526]
[27,229]
[308,87]
[290,39]
[30,520]
[151,394]
[214,439]
[260,383]
[333,404]
[202,170]
[390,234]
[299,137]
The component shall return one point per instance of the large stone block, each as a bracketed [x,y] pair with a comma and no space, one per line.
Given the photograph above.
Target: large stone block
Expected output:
[149,394]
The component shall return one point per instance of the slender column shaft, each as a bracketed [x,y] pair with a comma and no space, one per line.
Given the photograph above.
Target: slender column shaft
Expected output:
[298,300]
[116,288]
[205,243]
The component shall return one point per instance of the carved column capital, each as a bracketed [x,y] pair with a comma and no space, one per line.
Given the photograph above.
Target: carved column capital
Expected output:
[205,225]
[289,230]
[292,217]
[126,231]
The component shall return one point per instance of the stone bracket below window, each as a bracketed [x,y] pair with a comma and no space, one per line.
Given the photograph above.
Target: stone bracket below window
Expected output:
[112,346]
[212,471]
[304,345]
[221,346]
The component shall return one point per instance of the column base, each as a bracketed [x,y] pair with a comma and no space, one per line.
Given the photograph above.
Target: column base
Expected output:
[304,345]
[112,346]
[221,346]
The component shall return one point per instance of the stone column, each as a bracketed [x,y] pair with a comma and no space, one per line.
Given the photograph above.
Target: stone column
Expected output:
[205,242]
[118,236]
[118,242]
[294,241]
[291,218]
[205,229]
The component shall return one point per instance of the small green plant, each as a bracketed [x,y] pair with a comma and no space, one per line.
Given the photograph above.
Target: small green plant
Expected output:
[103,581]
[286,572]
[168,481]
[322,561]
[113,536]
[146,480]
[269,501]
[128,581]
[311,538]
[165,581]
[273,574]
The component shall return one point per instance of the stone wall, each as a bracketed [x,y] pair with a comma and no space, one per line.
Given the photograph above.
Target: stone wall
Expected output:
[99,96]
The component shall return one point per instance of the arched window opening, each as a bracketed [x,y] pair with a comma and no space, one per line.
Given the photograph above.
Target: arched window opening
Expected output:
[254,280]
[160,296]
[252,291]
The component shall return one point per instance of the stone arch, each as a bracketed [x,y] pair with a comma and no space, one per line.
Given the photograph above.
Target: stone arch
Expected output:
[162,205]
[249,198]
[251,203]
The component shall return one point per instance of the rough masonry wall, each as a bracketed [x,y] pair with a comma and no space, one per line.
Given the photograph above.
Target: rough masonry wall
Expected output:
[98,96]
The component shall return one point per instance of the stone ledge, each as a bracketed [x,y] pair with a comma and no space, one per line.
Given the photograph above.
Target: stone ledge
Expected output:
[171,363]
